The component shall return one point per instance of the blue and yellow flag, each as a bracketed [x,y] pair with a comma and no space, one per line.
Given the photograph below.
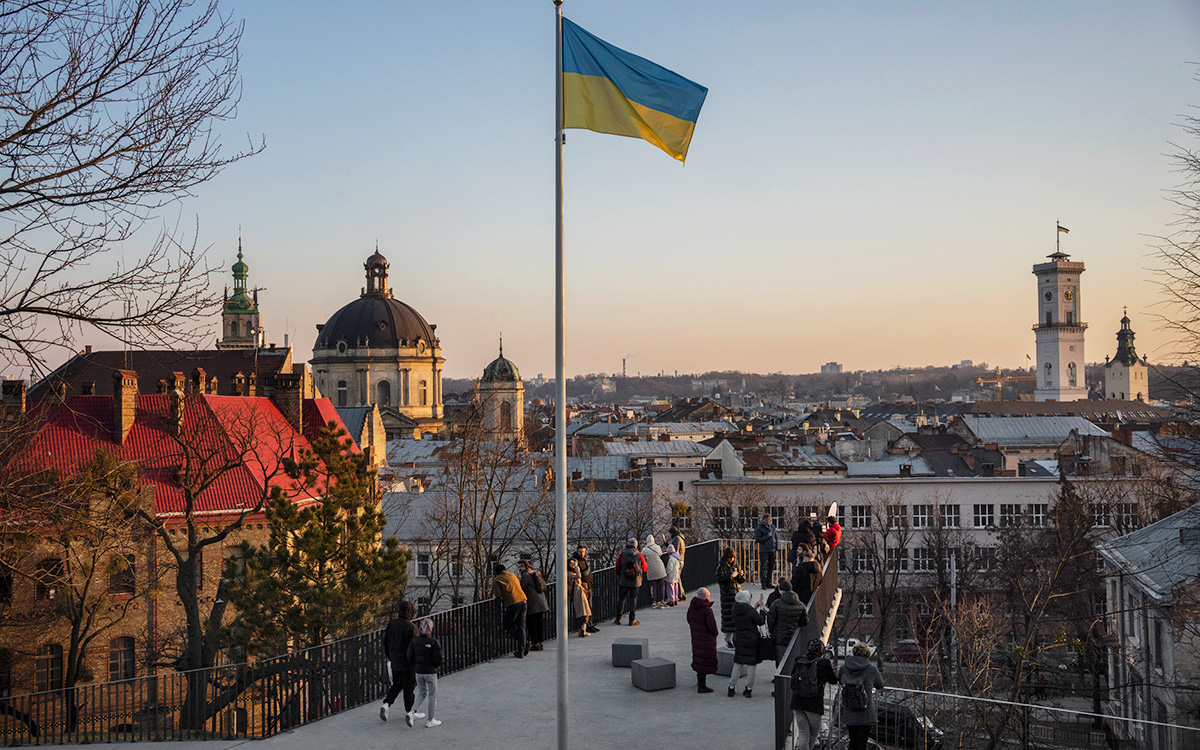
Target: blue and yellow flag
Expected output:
[609,90]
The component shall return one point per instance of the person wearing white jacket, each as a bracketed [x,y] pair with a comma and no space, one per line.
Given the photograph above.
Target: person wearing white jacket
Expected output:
[656,573]
[674,568]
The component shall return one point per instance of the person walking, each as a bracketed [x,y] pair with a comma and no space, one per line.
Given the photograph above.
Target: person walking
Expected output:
[585,580]
[860,679]
[767,537]
[730,578]
[783,617]
[533,585]
[425,654]
[656,572]
[810,674]
[674,587]
[746,620]
[507,588]
[704,638]
[631,566]
[681,548]
[581,605]
[399,633]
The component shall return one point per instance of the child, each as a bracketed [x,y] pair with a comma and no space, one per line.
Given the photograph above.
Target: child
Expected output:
[425,655]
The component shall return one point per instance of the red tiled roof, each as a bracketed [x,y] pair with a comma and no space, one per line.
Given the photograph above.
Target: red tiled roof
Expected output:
[319,412]
[233,444]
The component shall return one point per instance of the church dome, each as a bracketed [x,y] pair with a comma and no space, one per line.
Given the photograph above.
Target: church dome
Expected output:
[375,319]
[500,370]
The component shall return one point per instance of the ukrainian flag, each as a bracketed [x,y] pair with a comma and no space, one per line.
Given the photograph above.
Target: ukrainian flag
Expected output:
[609,90]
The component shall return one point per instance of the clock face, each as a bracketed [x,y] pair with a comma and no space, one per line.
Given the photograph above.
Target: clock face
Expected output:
[1049,296]
[1069,295]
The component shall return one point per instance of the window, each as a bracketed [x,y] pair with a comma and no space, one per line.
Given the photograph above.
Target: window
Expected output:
[950,517]
[985,516]
[455,566]
[506,416]
[458,600]
[723,519]
[681,486]
[1071,375]
[384,391]
[235,563]
[404,387]
[122,576]
[985,558]
[863,561]
[1010,514]
[1128,515]
[48,669]
[922,517]
[860,516]
[423,606]
[49,572]
[423,393]
[422,565]
[778,515]
[341,392]
[897,558]
[684,522]
[747,518]
[897,516]
[866,608]
[1158,643]
[1118,466]
[1100,515]
[1037,514]
[233,329]
[808,511]
[121,659]
[923,560]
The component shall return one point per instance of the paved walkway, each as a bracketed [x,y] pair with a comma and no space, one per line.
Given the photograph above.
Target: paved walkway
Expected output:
[510,704]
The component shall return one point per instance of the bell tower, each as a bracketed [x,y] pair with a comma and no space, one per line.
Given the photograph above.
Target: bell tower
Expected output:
[1059,331]
[240,328]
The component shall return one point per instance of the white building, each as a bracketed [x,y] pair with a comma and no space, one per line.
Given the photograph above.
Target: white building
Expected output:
[1059,331]
[1126,376]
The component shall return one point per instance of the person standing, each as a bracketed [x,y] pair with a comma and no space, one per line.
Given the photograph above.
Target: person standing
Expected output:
[806,576]
[631,566]
[860,679]
[680,548]
[656,572]
[810,674]
[507,588]
[399,633]
[784,615]
[425,654]
[730,578]
[585,580]
[833,534]
[767,537]
[581,606]
[674,588]
[746,621]
[533,584]
[704,638]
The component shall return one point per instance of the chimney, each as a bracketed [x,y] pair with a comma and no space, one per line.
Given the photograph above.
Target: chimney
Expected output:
[124,404]
[212,385]
[821,449]
[175,390]
[991,447]
[12,393]
[199,381]
[252,384]
[969,460]
[289,399]
[239,384]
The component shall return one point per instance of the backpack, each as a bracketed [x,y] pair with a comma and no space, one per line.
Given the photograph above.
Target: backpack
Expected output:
[539,583]
[854,696]
[804,679]
[630,570]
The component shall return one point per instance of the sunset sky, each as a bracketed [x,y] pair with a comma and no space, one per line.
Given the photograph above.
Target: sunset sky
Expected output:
[868,183]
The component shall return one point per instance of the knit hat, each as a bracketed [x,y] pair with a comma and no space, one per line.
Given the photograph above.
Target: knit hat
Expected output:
[702,593]
[742,596]
[649,539]
[426,627]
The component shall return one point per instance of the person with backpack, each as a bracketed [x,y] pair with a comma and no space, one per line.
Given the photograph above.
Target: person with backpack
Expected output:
[656,572]
[860,679]
[425,654]
[630,568]
[784,615]
[730,578]
[400,632]
[536,608]
[811,673]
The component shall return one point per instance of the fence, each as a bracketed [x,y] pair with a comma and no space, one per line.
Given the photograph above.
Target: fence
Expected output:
[269,696]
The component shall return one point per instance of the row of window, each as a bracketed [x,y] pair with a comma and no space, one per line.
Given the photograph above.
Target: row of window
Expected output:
[983,515]
[383,392]
[48,665]
[923,559]
[748,518]
[122,579]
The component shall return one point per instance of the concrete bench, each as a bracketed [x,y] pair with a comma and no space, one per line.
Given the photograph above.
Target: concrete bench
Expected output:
[655,673]
[724,661]
[626,650]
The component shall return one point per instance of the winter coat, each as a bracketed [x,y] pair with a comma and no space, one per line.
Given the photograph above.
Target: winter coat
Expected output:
[767,537]
[833,536]
[638,562]
[396,638]
[730,578]
[856,669]
[746,620]
[674,564]
[825,676]
[704,636]
[578,594]
[679,545]
[655,569]
[425,654]
[585,571]
[507,588]
[802,538]
[785,615]
[806,577]
[537,600]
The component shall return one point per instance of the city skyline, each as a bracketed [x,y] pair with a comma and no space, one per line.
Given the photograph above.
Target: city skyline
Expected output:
[870,186]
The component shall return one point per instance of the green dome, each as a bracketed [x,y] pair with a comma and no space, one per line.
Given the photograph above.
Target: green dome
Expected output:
[500,370]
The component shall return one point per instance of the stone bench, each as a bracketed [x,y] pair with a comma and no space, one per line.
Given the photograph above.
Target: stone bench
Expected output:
[655,673]
[627,650]
[724,661]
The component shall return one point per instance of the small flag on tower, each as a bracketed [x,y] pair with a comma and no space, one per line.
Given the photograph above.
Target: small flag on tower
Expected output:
[1063,229]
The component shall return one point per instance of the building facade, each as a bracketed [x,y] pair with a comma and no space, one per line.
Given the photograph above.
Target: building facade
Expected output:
[1059,331]
[240,324]
[1126,375]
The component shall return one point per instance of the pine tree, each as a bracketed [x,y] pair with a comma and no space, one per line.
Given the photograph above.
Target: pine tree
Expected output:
[324,572]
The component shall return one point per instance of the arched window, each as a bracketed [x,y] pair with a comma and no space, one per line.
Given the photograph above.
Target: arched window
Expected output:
[1071,374]
[233,328]
[423,393]
[341,391]
[49,575]
[1049,367]
[48,669]
[384,389]
[121,659]
[506,416]
[1049,318]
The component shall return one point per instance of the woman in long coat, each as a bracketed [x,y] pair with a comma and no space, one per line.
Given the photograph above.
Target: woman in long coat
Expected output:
[581,608]
[704,638]
[747,621]
[674,587]
[730,577]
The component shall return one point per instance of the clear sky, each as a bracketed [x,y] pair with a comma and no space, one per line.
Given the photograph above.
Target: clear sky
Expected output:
[869,183]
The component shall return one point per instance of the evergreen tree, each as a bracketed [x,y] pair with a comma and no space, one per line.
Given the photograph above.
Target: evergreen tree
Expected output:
[324,572]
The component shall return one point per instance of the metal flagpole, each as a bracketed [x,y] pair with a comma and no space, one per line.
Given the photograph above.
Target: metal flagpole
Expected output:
[560,390]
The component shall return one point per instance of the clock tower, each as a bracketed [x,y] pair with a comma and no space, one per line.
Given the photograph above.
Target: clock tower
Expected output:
[1059,331]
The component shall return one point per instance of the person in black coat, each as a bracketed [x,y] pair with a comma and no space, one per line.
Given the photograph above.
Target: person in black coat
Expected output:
[537,608]
[704,638]
[806,576]
[807,710]
[425,654]
[396,637]
[730,578]
[746,621]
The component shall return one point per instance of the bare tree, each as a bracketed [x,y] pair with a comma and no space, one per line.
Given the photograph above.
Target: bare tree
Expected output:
[107,110]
